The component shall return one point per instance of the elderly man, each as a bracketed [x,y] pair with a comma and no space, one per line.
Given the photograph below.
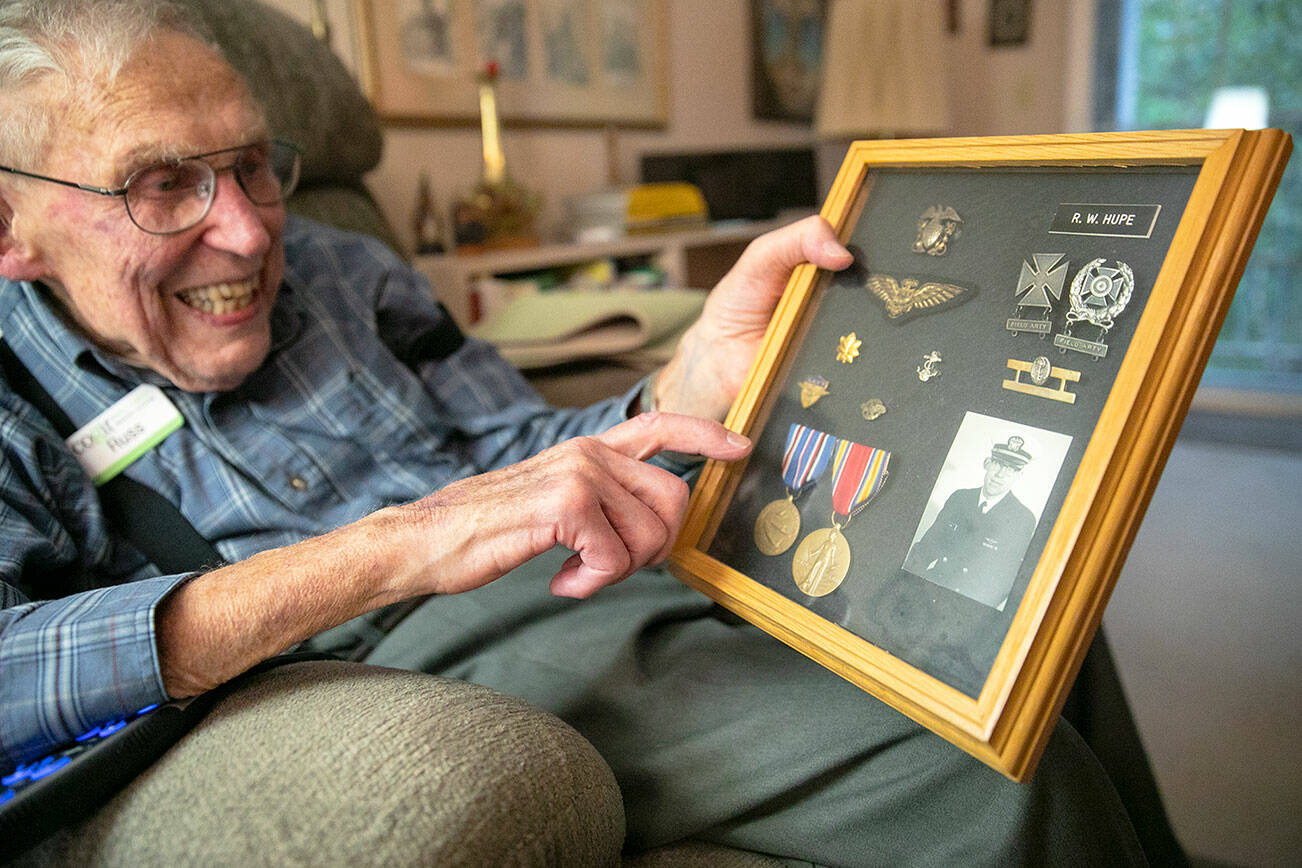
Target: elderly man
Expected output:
[143,242]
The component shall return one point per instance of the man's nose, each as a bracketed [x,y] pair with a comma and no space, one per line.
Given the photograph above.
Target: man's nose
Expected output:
[234,223]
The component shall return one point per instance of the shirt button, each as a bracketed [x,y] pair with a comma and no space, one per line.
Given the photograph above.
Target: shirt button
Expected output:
[298,483]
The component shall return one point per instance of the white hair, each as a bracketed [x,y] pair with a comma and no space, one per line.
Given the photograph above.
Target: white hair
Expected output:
[83,43]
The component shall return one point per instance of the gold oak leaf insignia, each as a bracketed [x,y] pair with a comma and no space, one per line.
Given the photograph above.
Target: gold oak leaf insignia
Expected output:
[904,296]
[848,348]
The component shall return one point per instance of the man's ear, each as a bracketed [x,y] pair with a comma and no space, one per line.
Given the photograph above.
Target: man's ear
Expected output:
[17,260]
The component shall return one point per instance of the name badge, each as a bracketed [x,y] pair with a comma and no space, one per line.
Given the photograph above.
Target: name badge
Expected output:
[113,440]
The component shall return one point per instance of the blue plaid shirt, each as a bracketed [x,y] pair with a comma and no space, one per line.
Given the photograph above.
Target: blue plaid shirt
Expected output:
[331,427]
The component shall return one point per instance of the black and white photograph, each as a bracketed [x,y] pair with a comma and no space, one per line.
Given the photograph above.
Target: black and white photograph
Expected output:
[985,506]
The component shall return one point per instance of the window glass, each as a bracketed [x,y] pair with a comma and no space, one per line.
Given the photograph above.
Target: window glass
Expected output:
[1180,64]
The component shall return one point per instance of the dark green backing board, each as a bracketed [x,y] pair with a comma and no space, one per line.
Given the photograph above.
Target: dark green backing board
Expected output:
[1007,214]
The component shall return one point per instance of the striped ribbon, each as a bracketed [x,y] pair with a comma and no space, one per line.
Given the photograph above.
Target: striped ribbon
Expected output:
[858,472]
[806,456]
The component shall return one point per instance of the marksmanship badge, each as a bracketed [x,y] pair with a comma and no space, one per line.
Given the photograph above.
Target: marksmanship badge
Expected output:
[1039,286]
[1099,293]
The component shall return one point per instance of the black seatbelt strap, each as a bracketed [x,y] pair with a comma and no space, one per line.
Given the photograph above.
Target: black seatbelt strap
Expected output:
[142,516]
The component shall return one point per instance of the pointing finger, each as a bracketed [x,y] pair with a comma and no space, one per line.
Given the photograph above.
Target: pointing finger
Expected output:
[649,433]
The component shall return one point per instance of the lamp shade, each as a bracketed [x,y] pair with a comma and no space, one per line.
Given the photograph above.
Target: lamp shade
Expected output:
[884,70]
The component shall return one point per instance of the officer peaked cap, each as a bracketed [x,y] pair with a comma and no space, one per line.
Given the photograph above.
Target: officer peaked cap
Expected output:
[1013,453]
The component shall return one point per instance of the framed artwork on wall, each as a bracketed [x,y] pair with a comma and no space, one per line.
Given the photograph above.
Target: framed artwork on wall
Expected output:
[956,437]
[786,58]
[559,62]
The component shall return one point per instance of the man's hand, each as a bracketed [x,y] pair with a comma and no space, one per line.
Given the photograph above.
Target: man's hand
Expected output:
[706,373]
[593,495]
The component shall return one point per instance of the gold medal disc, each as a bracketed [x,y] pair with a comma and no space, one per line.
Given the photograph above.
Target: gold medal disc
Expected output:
[777,527]
[822,559]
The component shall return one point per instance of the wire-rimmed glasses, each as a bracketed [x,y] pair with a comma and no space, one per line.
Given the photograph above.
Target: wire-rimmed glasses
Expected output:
[173,195]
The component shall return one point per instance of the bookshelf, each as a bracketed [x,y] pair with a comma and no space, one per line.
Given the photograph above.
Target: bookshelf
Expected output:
[693,258]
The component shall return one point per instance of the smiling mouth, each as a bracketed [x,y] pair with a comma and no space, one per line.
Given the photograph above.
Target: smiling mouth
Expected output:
[220,298]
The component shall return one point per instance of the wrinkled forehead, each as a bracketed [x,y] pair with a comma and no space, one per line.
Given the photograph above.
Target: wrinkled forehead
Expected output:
[174,97]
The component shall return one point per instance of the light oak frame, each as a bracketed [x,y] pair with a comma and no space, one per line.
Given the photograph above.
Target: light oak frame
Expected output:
[1008,724]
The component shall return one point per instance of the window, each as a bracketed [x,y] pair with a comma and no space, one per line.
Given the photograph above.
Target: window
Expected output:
[1162,64]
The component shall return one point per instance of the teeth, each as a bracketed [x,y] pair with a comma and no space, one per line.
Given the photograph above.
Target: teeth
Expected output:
[220,298]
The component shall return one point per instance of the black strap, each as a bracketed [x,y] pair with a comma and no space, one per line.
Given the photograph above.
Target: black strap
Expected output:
[151,522]
[142,516]
[412,340]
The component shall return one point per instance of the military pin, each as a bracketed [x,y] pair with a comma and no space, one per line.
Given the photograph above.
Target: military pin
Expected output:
[936,227]
[848,348]
[906,298]
[927,370]
[1099,293]
[822,559]
[811,389]
[1040,370]
[803,461]
[872,408]
[1038,287]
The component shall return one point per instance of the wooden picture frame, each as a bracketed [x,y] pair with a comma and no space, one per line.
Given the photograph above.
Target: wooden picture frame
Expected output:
[984,663]
[786,48]
[560,62]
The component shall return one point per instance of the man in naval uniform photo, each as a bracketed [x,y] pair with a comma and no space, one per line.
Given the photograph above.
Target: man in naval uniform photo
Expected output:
[978,539]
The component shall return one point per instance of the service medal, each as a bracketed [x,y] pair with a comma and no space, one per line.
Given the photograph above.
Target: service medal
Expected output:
[821,562]
[823,558]
[803,461]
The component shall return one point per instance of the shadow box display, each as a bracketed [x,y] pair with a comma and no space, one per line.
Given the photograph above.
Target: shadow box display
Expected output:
[956,438]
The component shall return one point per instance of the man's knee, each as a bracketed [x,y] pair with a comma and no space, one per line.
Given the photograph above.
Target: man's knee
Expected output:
[338,763]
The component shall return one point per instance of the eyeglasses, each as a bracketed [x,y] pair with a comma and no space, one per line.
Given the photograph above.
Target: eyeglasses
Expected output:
[173,195]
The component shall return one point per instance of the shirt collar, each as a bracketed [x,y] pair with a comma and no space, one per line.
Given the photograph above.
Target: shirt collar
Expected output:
[991,501]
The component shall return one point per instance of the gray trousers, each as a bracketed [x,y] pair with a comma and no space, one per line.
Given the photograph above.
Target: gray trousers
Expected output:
[718,732]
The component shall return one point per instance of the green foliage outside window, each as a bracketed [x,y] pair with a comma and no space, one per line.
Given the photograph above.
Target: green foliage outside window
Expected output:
[1183,50]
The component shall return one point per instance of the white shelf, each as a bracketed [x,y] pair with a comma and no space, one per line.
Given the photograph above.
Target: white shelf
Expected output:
[694,258]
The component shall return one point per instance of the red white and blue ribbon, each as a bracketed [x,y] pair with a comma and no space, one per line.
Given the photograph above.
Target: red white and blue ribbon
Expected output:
[806,456]
[858,473]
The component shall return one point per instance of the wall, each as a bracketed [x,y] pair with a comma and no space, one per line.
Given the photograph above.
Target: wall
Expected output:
[709,106]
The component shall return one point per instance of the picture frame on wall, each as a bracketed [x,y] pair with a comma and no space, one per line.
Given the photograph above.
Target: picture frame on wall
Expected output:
[956,437]
[559,62]
[786,58]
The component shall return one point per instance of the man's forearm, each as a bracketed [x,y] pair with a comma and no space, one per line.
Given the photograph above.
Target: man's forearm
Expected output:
[221,623]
